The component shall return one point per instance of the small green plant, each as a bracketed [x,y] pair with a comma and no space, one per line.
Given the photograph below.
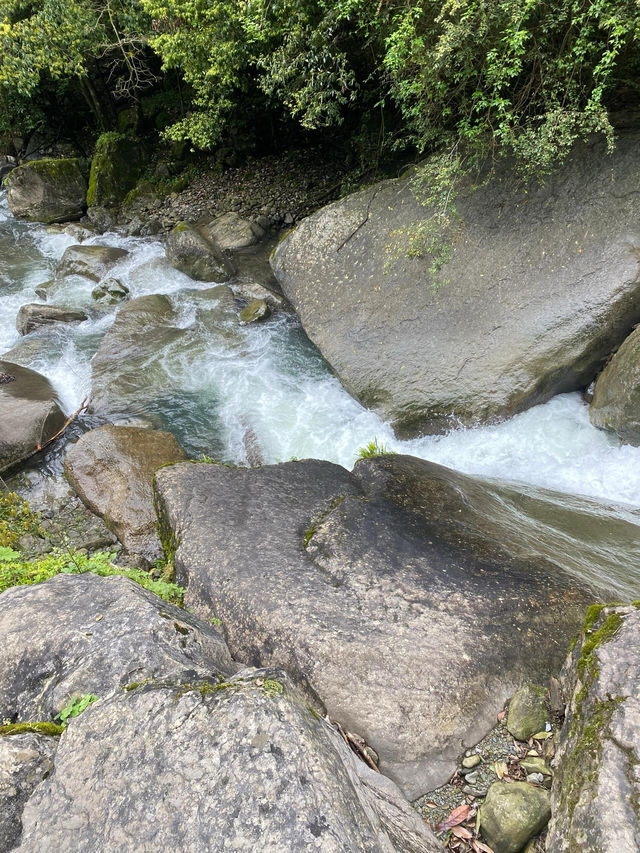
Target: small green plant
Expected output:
[76,706]
[374,448]
[217,623]
[17,520]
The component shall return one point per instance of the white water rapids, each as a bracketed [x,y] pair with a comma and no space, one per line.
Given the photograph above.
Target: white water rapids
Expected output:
[277,384]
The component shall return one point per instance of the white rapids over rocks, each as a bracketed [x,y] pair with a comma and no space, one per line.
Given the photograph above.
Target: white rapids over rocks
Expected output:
[277,387]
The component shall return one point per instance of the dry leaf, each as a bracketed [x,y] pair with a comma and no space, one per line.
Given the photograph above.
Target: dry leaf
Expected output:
[500,769]
[461,832]
[502,715]
[431,805]
[456,817]
[479,847]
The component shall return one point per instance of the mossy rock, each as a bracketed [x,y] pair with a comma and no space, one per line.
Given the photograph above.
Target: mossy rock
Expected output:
[512,813]
[528,712]
[115,169]
[255,312]
[49,190]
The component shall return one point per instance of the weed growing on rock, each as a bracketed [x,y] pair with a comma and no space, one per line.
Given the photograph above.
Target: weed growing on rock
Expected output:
[374,448]
[75,707]
[17,520]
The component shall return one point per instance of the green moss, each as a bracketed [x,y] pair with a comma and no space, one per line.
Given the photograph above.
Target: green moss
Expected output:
[272,687]
[135,684]
[205,687]
[115,168]
[52,729]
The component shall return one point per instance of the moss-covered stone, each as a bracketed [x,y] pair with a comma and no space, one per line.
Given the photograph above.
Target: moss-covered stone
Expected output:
[528,712]
[512,813]
[52,729]
[255,312]
[49,190]
[115,169]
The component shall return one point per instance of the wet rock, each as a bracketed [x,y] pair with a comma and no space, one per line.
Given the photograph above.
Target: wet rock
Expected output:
[75,230]
[616,397]
[92,262]
[79,634]
[248,289]
[111,469]
[34,316]
[352,594]
[111,291]
[47,190]
[528,712]
[596,787]
[115,168]
[194,254]
[25,760]
[30,413]
[46,289]
[538,286]
[243,764]
[230,232]
[256,311]
[512,813]
[103,218]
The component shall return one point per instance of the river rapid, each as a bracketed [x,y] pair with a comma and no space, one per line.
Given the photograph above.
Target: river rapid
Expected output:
[271,384]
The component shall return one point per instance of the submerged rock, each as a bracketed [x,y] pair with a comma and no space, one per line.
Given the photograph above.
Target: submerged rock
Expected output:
[616,397]
[193,764]
[196,255]
[110,292]
[111,469]
[30,413]
[596,789]
[92,262]
[538,285]
[34,316]
[47,190]
[512,813]
[255,312]
[310,568]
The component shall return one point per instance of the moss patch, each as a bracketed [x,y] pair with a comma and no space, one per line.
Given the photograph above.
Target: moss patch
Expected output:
[52,729]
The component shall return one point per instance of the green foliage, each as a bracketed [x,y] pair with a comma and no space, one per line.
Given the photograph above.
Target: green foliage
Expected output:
[16,520]
[75,706]
[51,729]
[372,449]
[15,571]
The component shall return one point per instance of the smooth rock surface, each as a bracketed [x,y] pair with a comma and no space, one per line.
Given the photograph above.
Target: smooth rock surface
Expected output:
[30,413]
[47,190]
[256,311]
[196,255]
[543,283]
[111,291]
[111,468]
[616,397]
[35,315]
[92,262]
[79,634]
[230,232]
[352,595]
[596,789]
[511,814]
[243,767]
[25,760]
[528,712]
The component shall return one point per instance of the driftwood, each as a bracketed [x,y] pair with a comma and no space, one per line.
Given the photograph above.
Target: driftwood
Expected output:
[64,426]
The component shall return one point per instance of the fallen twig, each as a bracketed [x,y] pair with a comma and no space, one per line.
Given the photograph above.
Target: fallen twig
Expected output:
[64,426]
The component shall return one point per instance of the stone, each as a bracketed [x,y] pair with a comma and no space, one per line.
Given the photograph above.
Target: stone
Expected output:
[111,291]
[616,397]
[256,311]
[230,232]
[596,787]
[115,168]
[25,761]
[35,316]
[535,764]
[30,413]
[248,289]
[528,712]
[79,634]
[92,262]
[511,814]
[194,254]
[190,764]
[47,190]
[470,761]
[541,285]
[311,569]
[111,469]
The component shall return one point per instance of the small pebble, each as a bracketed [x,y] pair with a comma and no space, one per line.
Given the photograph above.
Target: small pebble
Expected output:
[471,761]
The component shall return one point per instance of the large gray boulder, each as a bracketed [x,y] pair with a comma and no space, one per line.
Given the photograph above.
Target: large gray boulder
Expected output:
[79,634]
[199,765]
[47,190]
[308,568]
[30,413]
[541,285]
[25,761]
[111,468]
[35,315]
[596,788]
[616,397]
[197,255]
[92,262]
[230,232]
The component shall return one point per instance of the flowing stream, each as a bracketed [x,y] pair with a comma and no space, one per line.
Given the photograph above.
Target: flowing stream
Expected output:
[270,382]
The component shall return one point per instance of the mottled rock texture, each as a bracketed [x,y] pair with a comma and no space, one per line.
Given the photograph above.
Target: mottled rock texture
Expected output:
[47,190]
[92,262]
[616,397]
[197,255]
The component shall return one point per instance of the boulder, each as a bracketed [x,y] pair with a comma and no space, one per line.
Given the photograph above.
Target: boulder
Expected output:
[47,190]
[92,262]
[248,289]
[616,397]
[25,760]
[255,312]
[512,813]
[310,569]
[111,291]
[198,764]
[35,315]
[194,254]
[115,168]
[30,413]
[528,712]
[80,634]
[111,469]
[230,232]
[596,788]
[541,283]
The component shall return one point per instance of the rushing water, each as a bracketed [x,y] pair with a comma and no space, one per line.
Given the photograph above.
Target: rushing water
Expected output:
[272,384]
